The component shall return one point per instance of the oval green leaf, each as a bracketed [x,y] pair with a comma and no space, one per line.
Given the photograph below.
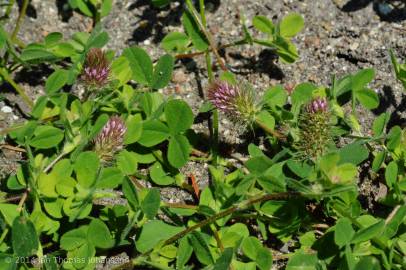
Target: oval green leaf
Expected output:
[46,137]
[178,151]
[178,115]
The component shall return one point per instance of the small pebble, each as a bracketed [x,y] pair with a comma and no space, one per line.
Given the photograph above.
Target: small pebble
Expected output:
[354,46]
[179,76]
[6,109]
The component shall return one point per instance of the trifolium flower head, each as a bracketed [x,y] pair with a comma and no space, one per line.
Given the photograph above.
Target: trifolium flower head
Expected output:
[318,105]
[314,129]
[96,70]
[238,103]
[110,139]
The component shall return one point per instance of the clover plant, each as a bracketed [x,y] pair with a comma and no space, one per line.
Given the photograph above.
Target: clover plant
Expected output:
[103,141]
[95,9]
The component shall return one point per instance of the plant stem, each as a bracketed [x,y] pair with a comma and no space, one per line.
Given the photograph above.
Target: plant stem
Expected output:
[96,18]
[19,19]
[202,12]
[9,8]
[206,33]
[12,148]
[238,207]
[5,131]
[215,124]
[180,205]
[3,235]
[50,165]
[19,208]
[19,90]
[210,75]
[242,206]
[377,241]
[198,153]
[215,114]
[11,199]
[270,131]
[137,184]
[193,54]
[22,200]
[218,241]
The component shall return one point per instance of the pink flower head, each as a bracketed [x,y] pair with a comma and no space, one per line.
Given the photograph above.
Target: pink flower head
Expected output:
[110,140]
[318,105]
[96,70]
[237,103]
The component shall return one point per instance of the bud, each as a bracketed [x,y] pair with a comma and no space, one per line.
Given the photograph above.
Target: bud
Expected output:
[318,105]
[110,140]
[236,103]
[314,130]
[96,69]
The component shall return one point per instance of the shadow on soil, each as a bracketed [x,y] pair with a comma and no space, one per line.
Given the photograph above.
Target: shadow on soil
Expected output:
[31,11]
[153,20]
[265,63]
[64,10]
[33,76]
[388,100]
[387,10]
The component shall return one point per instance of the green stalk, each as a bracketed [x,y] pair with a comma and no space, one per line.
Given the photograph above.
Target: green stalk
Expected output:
[215,119]
[215,123]
[9,8]
[20,19]
[50,165]
[215,114]
[228,45]
[202,12]
[3,235]
[353,102]
[5,131]
[207,33]
[19,90]
[269,131]
[96,18]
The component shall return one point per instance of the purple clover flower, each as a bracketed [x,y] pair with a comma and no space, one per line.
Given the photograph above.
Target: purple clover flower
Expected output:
[318,105]
[110,140]
[314,130]
[96,70]
[235,102]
